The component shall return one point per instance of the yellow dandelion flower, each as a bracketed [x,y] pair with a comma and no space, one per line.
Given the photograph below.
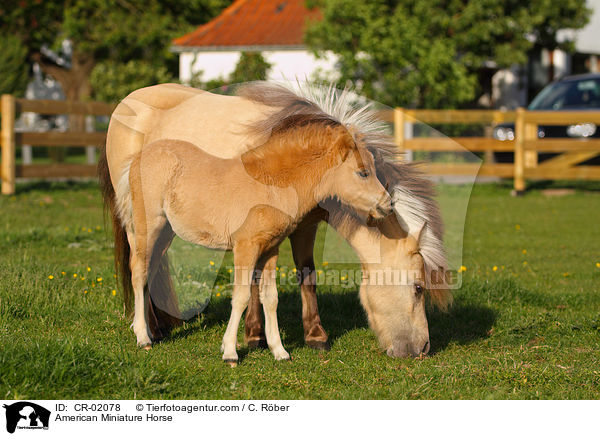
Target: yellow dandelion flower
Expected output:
[88,268]
[462,268]
[517,227]
[567,274]
[63,273]
[597,264]
[524,263]
[319,272]
[211,263]
[51,277]
[99,279]
[85,292]
[344,278]
[218,294]
[276,268]
[229,270]
[89,230]
[82,278]
[114,276]
[74,275]
[189,276]
[494,268]
[294,270]
[97,227]
[282,274]
[93,285]
[325,263]
[114,292]
[524,251]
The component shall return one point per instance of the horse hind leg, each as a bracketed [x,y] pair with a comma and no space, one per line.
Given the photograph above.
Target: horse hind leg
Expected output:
[303,240]
[254,333]
[140,269]
[164,311]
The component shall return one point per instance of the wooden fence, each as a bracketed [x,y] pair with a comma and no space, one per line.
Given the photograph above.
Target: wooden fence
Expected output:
[10,139]
[525,146]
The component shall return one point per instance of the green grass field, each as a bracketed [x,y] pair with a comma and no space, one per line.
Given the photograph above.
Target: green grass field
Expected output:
[525,324]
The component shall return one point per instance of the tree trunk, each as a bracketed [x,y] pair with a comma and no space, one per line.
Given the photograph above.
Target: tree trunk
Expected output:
[550,65]
[76,86]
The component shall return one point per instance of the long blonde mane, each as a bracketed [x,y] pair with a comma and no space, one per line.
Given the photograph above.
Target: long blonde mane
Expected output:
[412,192]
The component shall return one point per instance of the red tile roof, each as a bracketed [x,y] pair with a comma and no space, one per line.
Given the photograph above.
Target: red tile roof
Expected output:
[245,23]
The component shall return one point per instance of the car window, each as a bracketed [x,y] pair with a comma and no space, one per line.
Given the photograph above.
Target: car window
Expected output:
[574,94]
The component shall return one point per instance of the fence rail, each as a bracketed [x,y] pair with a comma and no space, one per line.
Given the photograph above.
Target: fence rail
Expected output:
[11,106]
[525,146]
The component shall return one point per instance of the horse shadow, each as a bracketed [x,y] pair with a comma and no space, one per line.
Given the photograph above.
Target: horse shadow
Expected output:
[340,313]
[462,324]
[51,186]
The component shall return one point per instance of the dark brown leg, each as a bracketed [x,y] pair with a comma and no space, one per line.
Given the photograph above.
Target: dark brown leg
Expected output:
[254,330]
[303,241]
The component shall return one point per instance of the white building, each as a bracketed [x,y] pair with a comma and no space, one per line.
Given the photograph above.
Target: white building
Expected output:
[273,27]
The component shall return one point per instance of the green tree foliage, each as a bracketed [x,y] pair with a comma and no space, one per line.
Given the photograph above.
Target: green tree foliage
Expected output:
[112,81]
[13,64]
[427,53]
[104,33]
[251,66]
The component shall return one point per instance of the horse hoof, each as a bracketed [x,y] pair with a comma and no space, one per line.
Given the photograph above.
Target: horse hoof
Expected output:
[319,345]
[231,362]
[257,343]
[147,347]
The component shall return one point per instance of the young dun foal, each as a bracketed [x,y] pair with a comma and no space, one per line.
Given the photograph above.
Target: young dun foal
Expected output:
[247,204]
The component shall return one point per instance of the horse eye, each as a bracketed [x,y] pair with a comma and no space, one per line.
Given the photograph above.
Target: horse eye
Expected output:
[418,289]
[363,173]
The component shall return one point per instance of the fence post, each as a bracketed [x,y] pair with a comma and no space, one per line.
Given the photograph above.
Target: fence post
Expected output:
[519,159]
[399,128]
[8,144]
[531,156]
[90,150]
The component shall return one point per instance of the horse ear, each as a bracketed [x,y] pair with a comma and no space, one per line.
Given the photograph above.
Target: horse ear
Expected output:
[343,142]
[420,234]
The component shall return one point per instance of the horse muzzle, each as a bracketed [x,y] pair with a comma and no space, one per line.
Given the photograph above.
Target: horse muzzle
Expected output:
[383,208]
[400,349]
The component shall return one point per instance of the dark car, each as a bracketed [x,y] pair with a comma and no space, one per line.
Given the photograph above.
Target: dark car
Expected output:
[572,93]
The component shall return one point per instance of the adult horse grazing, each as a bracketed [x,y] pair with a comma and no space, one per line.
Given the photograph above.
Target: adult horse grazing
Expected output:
[219,125]
[247,204]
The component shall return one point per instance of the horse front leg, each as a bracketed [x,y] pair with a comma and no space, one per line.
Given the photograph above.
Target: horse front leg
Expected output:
[245,256]
[303,242]
[269,300]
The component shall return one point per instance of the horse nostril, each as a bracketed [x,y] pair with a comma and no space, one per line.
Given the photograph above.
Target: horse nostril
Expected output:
[425,348]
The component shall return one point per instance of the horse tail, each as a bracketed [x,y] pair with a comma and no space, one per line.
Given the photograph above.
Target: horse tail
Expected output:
[121,246]
[164,312]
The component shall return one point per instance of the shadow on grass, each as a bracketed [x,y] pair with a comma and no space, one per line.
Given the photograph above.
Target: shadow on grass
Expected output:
[342,312]
[464,323]
[577,185]
[53,186]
